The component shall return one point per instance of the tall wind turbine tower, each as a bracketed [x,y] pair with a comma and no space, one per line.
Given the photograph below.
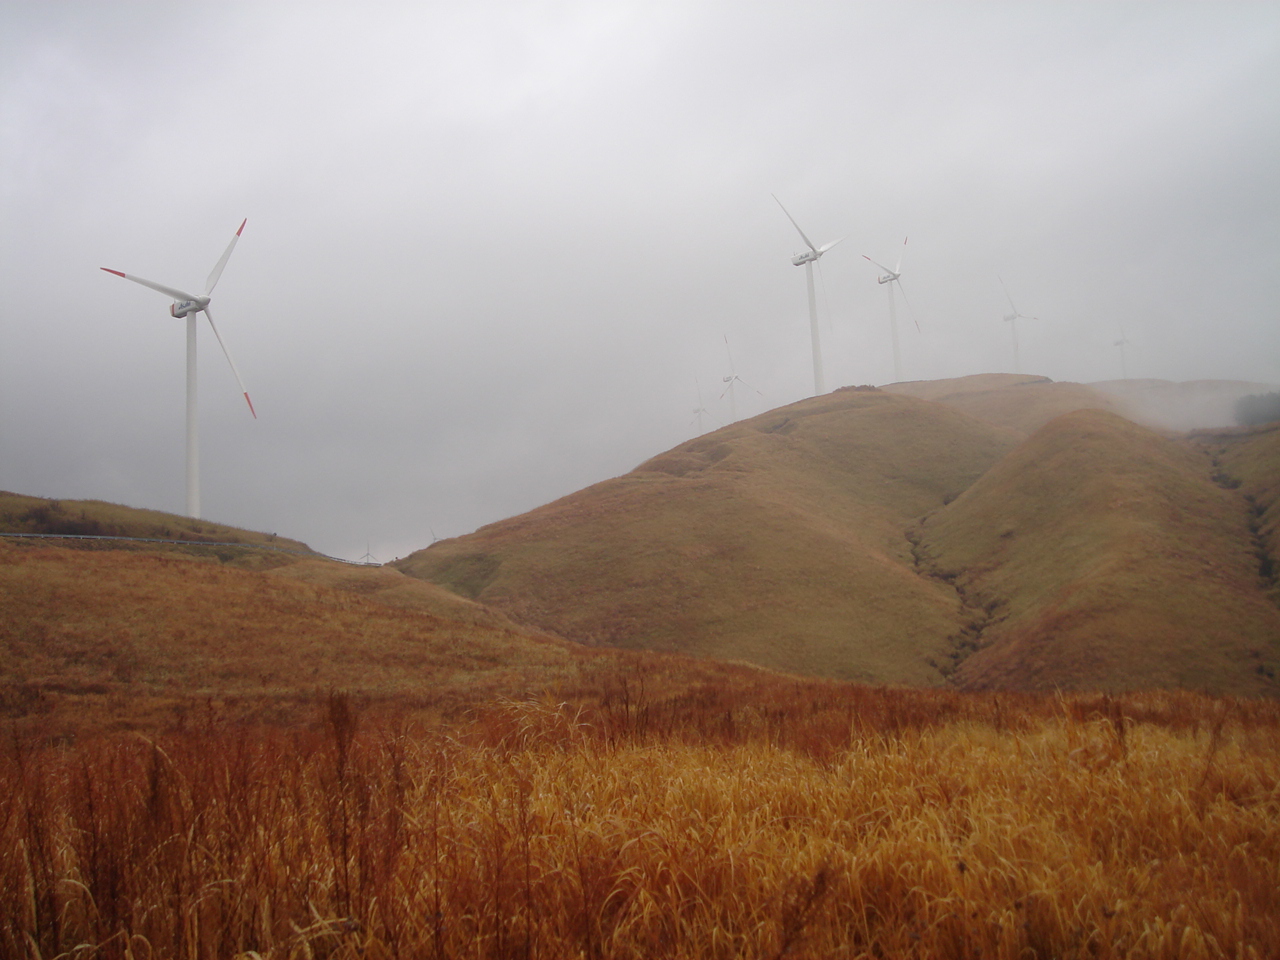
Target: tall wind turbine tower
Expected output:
[189,306]
[1012,319]
[889,278]
[808,259]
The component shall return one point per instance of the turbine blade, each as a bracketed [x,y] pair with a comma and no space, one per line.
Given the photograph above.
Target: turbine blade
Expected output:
[902,291]
[898,268]
[880,265]
[218,267]
[827,246]
[1012,305]
[173,292]
[797,226]
[227,352]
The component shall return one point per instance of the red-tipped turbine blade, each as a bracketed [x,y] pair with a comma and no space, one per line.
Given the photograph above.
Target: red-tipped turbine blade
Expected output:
[173,292]
[227,353]
[221,264]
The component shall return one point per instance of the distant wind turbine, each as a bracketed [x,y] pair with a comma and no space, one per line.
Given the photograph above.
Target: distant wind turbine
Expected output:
[732,379]
[889,279]
[699,410]
[808,259]
[1122,343]
[1012,319]
[190,306]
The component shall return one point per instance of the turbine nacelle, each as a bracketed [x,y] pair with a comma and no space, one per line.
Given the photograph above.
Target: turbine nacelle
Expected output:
[185,308]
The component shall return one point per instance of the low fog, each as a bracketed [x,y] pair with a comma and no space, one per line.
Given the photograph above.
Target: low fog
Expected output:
[494,251]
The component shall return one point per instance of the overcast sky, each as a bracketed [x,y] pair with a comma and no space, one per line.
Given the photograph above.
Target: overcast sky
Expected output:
[493,250]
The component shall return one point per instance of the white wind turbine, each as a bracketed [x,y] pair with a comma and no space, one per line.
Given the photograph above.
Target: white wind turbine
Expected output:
[889,279]
[732,379]
[1012,319]
[189,306]
[808,259]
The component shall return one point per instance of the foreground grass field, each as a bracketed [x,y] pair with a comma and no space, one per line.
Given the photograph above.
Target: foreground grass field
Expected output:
[762,819]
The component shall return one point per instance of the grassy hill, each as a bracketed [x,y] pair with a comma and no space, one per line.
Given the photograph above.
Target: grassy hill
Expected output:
[779,540]
[97,637]
[851,536]
[96,518]
[1109,558]
[866,535]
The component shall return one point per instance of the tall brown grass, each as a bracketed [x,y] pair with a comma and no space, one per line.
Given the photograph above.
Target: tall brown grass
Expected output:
[779,819]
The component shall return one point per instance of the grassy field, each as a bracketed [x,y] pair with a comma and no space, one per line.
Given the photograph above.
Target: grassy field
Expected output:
[766,819]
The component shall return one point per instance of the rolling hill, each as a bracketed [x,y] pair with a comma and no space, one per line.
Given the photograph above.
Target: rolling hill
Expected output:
[777,540]
[989,532]
[839,536]
[104,635]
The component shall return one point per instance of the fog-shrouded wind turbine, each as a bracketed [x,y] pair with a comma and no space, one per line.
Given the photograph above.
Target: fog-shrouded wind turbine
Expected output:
[889,279]
[1012,319]
[189,306]
[808,259]
[1122,343]
[699,410]
[732,380]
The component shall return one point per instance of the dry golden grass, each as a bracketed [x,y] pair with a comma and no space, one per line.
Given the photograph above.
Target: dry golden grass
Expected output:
[1109,559]
[803,821]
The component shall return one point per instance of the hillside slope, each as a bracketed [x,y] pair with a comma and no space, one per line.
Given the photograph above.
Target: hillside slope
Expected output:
[1249,459]
[1108,558]
[778,540]
[20,513]
[94,640]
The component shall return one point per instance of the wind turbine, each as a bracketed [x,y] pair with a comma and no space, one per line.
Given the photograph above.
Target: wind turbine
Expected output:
[808,259]
[1122,343]
[1012,319]
[699,410]
[889,279]
[189,306]
[731,380]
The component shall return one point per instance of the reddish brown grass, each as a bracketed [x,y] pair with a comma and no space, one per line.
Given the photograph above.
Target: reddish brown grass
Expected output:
[782,819]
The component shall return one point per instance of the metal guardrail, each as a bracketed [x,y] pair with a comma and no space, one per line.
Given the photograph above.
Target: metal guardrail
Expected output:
[190,543]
